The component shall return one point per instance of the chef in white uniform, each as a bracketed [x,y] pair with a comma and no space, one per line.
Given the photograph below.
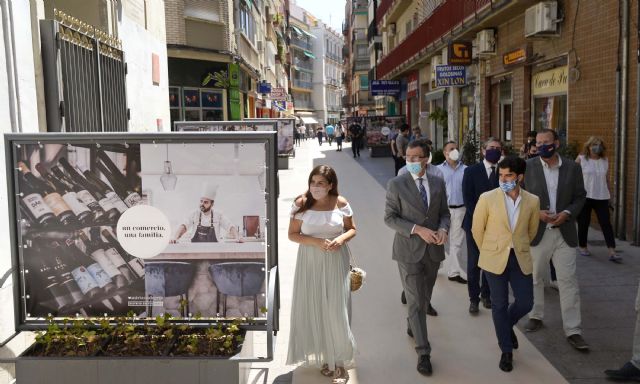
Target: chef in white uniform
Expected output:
[204,225]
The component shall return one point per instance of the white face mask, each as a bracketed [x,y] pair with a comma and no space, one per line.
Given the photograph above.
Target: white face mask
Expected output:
[319,193]
[454,155]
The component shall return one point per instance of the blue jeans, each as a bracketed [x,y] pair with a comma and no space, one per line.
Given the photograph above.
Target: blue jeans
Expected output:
[505,316]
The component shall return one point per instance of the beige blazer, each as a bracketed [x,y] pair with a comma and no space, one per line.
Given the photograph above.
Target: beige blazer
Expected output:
[492,232]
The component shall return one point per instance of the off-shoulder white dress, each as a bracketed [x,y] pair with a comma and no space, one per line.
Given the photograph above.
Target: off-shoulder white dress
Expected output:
[320,331]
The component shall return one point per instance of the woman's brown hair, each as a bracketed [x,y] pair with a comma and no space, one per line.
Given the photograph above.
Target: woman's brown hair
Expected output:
[593,140]
[330,175]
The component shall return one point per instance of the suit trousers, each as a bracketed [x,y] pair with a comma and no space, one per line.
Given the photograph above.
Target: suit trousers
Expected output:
[455,250]
[418,280]
[475,287]
[553,247]
[635,360]
[505,316]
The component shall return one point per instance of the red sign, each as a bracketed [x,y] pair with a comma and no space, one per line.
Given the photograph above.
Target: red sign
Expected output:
[412,85]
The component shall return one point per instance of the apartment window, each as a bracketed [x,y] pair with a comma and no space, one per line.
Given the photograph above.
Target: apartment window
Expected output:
[364,82]
[202,9]
[362,50]
[247,23]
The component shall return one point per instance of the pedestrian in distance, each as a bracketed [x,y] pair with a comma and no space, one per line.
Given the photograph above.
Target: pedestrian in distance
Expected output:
[505,221]
[558,183]
[394,151]
[320,135]
[339,136]
[478,179]
[416,208]
[356,132]
[416,134]
[330,131]
[630,371]
[595,167]
[402,141]
[322,223]
[455,263]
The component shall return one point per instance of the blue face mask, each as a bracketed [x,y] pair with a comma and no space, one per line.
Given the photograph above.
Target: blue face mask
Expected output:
[546,150]
[414,168]
[508,186]
[493,155]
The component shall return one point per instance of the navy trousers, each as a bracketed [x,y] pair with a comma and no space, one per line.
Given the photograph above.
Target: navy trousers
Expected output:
[476,288]
[505,316]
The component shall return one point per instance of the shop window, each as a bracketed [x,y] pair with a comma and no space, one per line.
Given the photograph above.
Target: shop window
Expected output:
[506,110]
[551,112]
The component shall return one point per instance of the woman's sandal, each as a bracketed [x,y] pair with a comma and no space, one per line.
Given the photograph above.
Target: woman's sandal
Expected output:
[325,371]
[341,376]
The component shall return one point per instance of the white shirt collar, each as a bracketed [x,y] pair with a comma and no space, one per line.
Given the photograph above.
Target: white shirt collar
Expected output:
[544,163]
[416,177]
[488,165]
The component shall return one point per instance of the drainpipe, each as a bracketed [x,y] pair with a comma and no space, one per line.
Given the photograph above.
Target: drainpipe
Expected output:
[636,205]
[621,128]
[10,59]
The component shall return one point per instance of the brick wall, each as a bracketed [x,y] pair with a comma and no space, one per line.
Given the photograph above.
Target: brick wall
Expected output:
[174,15]
[591,99]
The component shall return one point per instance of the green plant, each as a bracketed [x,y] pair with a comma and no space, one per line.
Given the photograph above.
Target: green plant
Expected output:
[437,157]
[439,116]
[570,150]
[470,148]
[220,78]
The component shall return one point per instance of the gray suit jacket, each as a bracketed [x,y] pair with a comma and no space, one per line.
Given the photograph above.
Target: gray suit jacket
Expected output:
[404,208]
[571,195]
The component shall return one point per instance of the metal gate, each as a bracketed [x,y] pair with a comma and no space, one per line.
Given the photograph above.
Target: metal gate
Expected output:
[85,77]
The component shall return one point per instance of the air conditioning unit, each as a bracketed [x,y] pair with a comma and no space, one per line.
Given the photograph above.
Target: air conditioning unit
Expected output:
[541,19]
[486,42]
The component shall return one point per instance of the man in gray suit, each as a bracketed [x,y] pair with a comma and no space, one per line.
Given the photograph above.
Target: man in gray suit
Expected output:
[416,208]
[557,181]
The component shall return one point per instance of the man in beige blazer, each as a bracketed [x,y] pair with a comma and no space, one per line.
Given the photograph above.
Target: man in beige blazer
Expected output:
[505,222]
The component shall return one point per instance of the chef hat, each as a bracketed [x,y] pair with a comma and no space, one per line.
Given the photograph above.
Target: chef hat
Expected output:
[209,191]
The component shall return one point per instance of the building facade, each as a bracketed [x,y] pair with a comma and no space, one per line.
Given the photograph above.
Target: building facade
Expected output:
[327,90]
[534,65]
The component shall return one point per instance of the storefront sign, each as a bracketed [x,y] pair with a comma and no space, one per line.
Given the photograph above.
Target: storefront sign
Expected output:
[553,81]
[514,57]
[451,75]
[280,105]
[264,88]
[459,53]
[279,94]
[412,85]
[385,87]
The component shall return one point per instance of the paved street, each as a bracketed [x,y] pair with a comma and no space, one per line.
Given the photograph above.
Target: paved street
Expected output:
[464,348]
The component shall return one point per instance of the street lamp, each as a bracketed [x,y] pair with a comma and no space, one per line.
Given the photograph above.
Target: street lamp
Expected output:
[168,178]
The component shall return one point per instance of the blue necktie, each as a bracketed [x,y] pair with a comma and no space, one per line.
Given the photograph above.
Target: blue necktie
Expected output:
[423,194]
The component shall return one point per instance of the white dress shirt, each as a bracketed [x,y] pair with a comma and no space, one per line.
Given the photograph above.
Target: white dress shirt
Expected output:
[426,187]
[513,210]
[488,165]
[551,175]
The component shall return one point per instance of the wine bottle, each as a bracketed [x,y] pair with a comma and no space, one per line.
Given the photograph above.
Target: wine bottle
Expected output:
[106,190]
[112,254]
[35,205]
[136,264]
[82,212]
[127,195]
[95,269]
[81,192]
[97,253]
[46,282]
[63,212]
[63,271]
[74,258]
[116,173]
[107,203]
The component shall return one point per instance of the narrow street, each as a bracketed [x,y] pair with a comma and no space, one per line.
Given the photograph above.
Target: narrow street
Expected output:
[464,347]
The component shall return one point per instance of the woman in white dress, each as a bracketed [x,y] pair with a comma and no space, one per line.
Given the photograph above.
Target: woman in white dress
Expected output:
[322,223]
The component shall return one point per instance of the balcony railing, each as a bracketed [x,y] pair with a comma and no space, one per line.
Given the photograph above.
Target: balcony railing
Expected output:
[301,43]
[334,57]
[302,84]
[441,21]
[361,65]
[302,104]
[303,63]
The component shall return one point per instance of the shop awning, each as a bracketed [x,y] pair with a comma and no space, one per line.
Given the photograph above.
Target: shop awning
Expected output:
[309,54]
[297,30]
[309,120]
[308,34]
[435,95]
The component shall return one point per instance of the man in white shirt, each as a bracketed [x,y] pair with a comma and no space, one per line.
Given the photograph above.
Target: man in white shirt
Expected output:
[558,182]
[204,225]
[455,250]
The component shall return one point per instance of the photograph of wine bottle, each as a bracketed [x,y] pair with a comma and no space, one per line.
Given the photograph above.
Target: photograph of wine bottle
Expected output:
[70,198]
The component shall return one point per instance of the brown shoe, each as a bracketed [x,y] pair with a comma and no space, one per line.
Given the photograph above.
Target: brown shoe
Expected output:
[578,342]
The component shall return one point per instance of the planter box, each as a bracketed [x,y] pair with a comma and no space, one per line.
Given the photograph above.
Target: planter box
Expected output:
[380,151]
[283,162]
[136,370]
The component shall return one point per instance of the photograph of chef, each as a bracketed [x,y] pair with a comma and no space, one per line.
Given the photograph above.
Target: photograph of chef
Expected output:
[204,222]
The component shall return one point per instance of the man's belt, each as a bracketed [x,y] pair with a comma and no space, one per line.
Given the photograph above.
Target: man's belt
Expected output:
[456,206]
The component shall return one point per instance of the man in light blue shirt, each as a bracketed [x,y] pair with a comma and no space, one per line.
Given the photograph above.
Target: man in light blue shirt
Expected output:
[330,131]
[455,251]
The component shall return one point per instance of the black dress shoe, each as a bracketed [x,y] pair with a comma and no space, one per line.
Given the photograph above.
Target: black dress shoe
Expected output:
[627,372]
[431,311]
[506,362]
[486,302]
[473,308]
[514,340]
[458,279]
[403,298]
[424,365]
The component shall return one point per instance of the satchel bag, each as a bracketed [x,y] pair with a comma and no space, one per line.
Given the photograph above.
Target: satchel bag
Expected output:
[356,274]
